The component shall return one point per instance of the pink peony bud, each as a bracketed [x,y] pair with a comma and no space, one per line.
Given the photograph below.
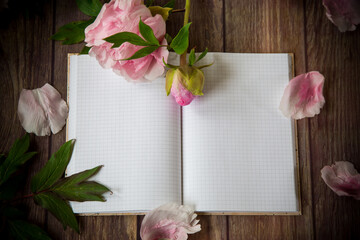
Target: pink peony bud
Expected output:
[185,83]
[343,179]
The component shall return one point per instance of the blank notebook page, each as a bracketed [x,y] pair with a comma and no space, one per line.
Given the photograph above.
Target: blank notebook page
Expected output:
[238,149]
[132,129]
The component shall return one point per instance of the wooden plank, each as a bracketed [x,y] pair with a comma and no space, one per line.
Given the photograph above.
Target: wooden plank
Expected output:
[23,42]
[272,26]
[335,135]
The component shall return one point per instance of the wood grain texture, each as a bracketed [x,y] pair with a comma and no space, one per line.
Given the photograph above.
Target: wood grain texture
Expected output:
[29,59]
[24,42]
[334,134]
[271,27]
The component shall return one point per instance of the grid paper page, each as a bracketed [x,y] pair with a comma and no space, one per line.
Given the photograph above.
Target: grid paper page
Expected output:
[238,149]
[132,129]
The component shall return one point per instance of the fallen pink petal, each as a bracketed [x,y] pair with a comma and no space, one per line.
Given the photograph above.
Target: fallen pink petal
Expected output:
[342,178]
[345,14]
[169,221]
[42,110]
[303,96]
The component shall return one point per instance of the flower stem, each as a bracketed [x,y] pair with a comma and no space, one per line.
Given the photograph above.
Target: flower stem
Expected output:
[186,20]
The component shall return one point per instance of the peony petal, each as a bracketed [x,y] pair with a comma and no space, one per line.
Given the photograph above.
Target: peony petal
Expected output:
[342,178]
[171,221]
[41,110]
[303,96]
[345,14]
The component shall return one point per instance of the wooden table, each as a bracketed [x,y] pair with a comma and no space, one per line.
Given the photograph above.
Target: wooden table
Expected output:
[29,60]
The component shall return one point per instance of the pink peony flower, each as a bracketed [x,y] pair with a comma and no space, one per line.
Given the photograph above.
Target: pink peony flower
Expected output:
[185,83]
[345,14]
[303,96]
[169,221]
[343,179]
[41,110]
[124,16]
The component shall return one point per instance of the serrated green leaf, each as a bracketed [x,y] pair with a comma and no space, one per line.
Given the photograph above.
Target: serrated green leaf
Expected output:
[59,208]
[162,11]
[149,3]
[9,189]
[17,157]
[72,33]
[74,188]
[143,52]
[202,55]
[181,42]
[192,57]
[169,80]
[89,7]
[148,34]
[170,4]
[23,230]
[53,169]
[119,38]
[85,50]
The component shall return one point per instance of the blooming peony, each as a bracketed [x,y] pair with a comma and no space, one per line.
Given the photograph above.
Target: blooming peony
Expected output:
[303,96]
[343,179]
[124,16]
[41,110]
[169,221]
[345,14]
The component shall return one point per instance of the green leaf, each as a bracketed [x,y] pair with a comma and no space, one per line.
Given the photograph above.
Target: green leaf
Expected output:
[149,3]
[17,157]
[59,208]
[192,57]
[23,230]
[202,55]
[143,52]
[74,188]
[169,65]
[168,38]
[9,189]
[169,80]
[89,7]
[204,66]
[72,33]
[163,11]
[53,169]
[170,4]
[181,42]
[85,50]
[119,38]
[147,32]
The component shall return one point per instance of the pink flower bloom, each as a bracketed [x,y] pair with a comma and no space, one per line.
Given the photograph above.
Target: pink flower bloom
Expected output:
[124,16]
[169,221]
[303,96]
[343,179]
[41,110]
[182,96]
[345,14]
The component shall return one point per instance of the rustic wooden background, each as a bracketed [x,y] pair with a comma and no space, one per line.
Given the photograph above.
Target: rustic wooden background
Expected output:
[29,60]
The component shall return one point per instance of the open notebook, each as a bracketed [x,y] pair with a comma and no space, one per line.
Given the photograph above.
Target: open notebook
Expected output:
[228,152]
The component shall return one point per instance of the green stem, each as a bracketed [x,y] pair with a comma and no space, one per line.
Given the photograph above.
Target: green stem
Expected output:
[186,20]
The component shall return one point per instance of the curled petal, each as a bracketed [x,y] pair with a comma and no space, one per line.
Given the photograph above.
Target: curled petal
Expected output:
[303,96]
[345,14]
[41,110]
[342,178]
[169,221]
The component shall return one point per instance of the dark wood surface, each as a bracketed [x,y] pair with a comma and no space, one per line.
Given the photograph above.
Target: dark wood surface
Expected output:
[28,60]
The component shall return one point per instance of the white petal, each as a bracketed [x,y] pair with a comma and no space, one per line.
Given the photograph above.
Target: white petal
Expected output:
[41,110]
